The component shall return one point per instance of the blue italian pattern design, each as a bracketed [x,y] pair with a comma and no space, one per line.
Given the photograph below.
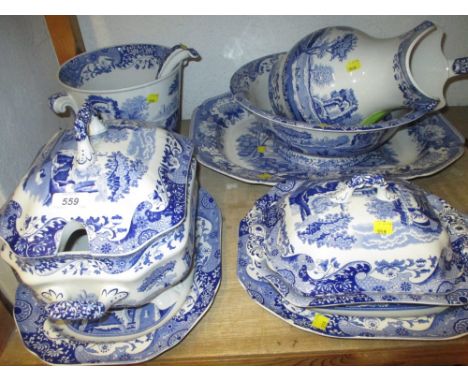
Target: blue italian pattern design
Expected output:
[43,338]
[261,156]
[367,319]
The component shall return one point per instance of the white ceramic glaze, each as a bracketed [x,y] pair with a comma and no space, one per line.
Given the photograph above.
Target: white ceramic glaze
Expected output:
[166,304]
[111,340]
[365,320]
[235,142]
[77,277]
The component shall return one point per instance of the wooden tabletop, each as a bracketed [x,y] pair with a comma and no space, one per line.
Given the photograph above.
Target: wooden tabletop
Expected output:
[237,331]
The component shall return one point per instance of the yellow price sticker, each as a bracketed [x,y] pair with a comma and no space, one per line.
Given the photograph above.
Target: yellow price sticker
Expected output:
[264,176]
[261,149]
[320,321]
[353,65]
[152,98]
[383,227]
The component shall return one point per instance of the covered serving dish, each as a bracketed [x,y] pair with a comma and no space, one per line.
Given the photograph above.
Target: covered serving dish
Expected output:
[84,226]
[363,239]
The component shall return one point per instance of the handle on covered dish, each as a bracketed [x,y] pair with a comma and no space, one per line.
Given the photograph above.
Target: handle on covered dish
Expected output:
[377,181]
[85,309]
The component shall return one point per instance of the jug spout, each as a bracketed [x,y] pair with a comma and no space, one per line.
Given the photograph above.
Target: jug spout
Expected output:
[429,68]
[178,54]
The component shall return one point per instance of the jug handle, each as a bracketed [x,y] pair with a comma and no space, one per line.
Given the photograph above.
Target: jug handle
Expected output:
[59,102]
[85,309]
[459,66]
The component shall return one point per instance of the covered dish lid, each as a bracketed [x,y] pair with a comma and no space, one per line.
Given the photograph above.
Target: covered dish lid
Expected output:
[353,240]
[123,183]
[358,216]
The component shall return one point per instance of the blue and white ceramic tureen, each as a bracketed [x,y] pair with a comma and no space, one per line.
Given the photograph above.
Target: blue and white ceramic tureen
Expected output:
[103,218]
[363,239]
[132,334]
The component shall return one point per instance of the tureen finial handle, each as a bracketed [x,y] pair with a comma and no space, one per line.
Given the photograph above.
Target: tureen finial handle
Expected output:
[85,151]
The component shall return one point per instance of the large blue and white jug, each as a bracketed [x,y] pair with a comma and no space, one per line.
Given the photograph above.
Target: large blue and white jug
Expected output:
[342,76]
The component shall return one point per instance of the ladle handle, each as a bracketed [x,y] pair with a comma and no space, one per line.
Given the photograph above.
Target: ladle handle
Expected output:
[460,65]
[179,54]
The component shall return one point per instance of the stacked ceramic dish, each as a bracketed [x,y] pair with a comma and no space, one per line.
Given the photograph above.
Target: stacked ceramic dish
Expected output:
[358,257]
[342,246]
[338,102]
[116,247]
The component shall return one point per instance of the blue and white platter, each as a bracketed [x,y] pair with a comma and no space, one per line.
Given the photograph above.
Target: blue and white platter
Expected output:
[232,141]
[367,321]
[130,335]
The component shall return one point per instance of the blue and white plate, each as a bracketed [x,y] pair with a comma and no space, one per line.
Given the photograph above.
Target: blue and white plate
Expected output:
[53,347]
[230,140]
[377,321]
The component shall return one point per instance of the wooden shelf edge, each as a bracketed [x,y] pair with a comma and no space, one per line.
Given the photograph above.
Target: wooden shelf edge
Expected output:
[445,355]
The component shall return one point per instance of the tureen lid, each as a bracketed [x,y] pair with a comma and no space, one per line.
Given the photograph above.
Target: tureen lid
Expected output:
[363,218]
[123,182]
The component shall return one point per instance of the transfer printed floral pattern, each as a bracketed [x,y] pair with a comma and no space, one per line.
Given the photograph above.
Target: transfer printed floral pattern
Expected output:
[83,68]
[101,78]
[446,324]
[53,347]
[340,106]
[411,94]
